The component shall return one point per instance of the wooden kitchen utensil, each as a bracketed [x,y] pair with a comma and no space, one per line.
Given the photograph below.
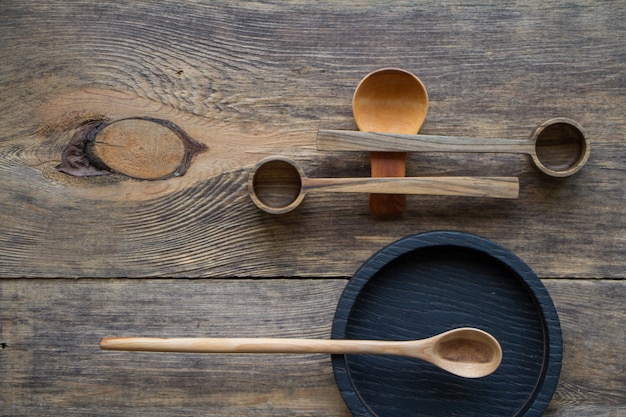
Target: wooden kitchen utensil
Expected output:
[389,100]
[277,185]
[558,147]
[466,352]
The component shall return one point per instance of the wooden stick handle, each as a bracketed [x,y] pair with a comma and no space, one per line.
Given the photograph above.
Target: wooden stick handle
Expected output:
[345,140]
[494,187]
[250,345]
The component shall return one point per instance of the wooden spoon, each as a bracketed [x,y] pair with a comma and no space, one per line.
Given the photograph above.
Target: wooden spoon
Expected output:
[466,352]
[389,100]
[277,185]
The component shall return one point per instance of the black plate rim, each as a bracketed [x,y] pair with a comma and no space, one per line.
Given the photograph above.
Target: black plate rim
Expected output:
[546,384]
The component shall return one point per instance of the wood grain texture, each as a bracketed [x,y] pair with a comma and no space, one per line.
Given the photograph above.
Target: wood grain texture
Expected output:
[142,148]
[251,79]
[52,365]
[262,78]
[593,321]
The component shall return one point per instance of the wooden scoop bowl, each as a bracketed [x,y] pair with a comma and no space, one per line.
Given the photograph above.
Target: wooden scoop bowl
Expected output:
[389,100]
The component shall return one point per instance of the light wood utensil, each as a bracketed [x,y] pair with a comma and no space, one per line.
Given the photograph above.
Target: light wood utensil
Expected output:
[466,352]
[558,147]
[278,185]
[389,100]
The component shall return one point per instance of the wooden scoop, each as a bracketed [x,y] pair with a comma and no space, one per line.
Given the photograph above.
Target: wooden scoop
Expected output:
[389,100]
[277,185]
[558,147]
[466,352]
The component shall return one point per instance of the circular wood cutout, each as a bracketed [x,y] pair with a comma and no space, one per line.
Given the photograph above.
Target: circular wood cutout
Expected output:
[432,282]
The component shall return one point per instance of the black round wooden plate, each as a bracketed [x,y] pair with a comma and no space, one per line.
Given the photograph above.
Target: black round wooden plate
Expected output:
[432,282]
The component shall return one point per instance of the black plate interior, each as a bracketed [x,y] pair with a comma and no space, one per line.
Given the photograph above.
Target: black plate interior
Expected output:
[429,283]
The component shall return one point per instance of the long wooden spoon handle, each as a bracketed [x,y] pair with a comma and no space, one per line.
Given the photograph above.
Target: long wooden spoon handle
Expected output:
[250,345]
[494,187]
[346,140]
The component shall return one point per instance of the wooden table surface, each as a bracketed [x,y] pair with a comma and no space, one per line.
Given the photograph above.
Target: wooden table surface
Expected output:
[86,257]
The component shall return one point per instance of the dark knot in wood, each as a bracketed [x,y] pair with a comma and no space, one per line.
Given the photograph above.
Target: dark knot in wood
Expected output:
[138,147]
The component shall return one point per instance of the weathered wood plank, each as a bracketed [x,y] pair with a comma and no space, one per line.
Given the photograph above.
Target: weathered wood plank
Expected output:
[52,364]
[212,228]
[593,319]
[254,79]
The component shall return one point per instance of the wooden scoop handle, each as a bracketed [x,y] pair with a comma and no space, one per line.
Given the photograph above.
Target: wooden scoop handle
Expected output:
[255,345]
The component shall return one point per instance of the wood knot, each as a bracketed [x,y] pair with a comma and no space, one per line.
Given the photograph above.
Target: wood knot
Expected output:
[139,147]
